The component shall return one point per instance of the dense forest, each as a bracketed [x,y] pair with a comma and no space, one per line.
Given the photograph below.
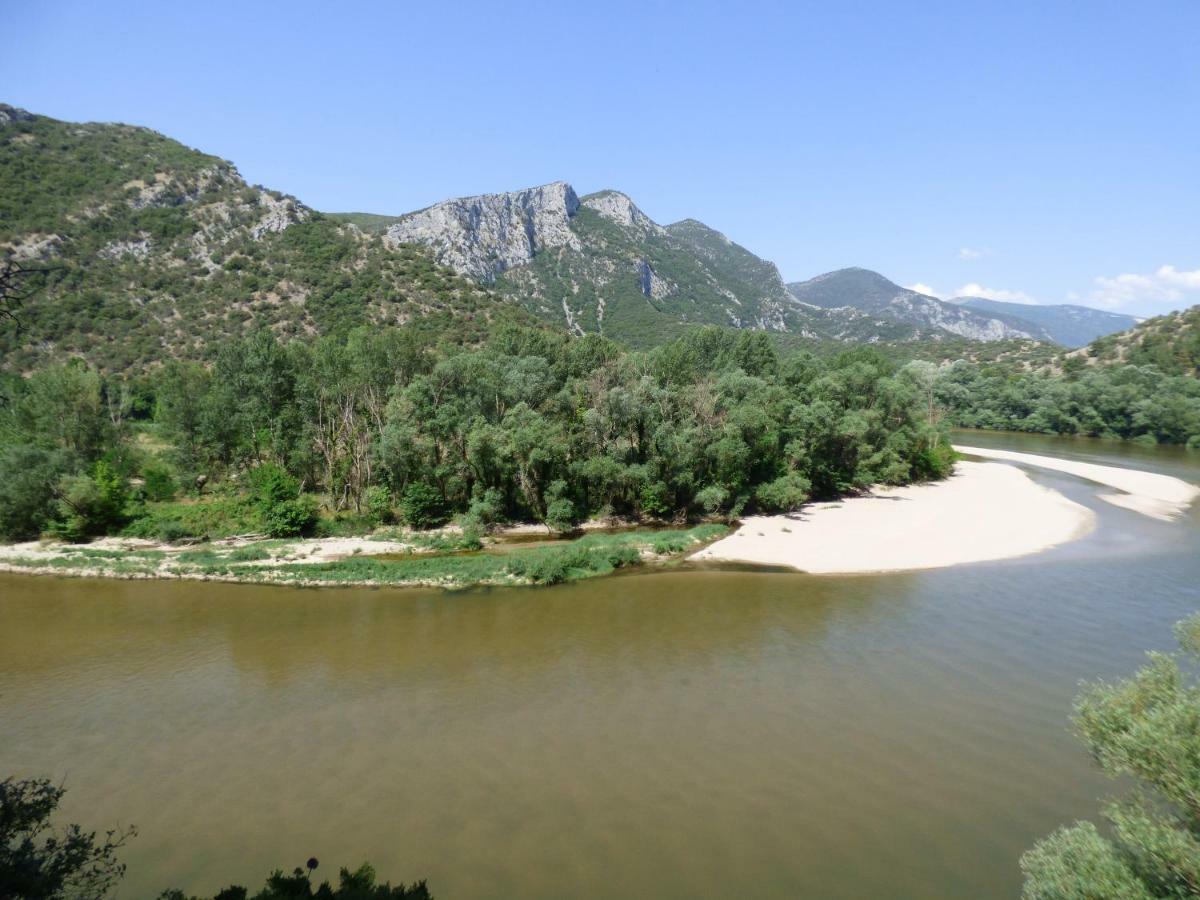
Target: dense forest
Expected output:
[349,432]
[1138,402]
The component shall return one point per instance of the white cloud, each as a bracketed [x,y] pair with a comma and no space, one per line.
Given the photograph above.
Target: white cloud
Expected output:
[975,289]
[1165,287]
[971,253]
[921,288]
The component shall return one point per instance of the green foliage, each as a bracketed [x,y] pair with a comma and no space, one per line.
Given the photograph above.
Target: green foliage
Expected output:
[91,504]
[289,518]
[1126,401]
[357,885]
[783,494]
[712,498]
[933,463]
[28,476]
[217,516]
[1147,729]
[159,483]
[41,862]
[285,511]
[379,504]
[161,252]
[421,506]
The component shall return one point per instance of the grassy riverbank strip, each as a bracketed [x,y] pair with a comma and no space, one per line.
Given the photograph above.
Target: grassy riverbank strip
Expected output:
[407,564]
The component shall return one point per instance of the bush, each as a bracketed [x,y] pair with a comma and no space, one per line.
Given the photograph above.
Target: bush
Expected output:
[27,479]
[712,498]
[783,494]
[653,499]
[289,518]
[285,512]
[272,484]
[379,504]
[421,506]
[159,484]
[560,515]
[90,505]
[934,462]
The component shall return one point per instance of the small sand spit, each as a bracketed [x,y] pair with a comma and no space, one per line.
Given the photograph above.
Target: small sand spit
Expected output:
[1158,496]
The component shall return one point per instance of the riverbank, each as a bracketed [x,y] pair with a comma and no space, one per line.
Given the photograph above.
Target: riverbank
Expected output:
[1161,497]
[420,559]
[984,511]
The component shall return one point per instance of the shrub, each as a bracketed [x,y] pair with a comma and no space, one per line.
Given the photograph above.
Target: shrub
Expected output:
[289,518]
[285,512]
[27,479]
[379,504]
[90,505]
[160,484]
[653,499]
[272,484]
[421,506]
[560,514]
[712,498]
[934,462]
[784,493]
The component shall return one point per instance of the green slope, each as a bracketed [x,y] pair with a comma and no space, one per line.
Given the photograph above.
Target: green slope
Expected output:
[154,250]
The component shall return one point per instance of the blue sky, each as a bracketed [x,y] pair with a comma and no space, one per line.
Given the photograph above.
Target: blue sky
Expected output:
[1046,151]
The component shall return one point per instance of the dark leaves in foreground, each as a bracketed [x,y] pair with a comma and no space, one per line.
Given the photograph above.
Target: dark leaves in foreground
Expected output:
[38,862]
[357,885]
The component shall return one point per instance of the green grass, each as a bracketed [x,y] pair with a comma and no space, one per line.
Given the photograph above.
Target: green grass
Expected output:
[210,517]
[587,557]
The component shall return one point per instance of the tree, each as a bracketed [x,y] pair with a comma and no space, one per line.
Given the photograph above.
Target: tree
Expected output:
[38,862]
[18,283]
[1146,728]
[357,885]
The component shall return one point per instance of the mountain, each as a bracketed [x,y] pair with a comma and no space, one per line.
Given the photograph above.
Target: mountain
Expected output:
[1170,342]
[154,250]
[1066,324]
[600,264]
[870,292]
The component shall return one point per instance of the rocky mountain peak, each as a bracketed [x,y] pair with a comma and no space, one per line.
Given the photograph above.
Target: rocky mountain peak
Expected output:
[485,235]
[618,208]
[14,114]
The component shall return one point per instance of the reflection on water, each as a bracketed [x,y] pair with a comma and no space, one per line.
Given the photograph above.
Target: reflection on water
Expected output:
[677,734]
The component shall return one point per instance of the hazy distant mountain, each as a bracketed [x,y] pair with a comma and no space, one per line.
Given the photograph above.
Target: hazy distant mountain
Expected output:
[1071,326]
[870,292]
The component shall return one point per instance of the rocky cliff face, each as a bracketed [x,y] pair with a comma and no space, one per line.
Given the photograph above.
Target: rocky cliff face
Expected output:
[620,210]
[483,236]
[600,264]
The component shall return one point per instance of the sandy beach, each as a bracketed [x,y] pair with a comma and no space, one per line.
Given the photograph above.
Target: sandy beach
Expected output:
[984,511]
[1158,496]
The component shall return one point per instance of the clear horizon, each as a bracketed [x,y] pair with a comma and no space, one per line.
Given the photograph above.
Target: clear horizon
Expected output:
[1010,151]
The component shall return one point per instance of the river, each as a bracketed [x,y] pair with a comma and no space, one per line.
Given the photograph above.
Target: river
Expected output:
[674,734]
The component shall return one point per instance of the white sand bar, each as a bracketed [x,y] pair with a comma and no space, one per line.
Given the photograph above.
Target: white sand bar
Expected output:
[982,512]
[1159,496]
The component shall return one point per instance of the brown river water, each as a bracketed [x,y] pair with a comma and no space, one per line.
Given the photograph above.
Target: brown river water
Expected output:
[686,733]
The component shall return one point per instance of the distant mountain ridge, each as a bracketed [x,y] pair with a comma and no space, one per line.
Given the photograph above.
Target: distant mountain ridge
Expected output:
[1066,324]
[158,251]
[872,293]
[600,264]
